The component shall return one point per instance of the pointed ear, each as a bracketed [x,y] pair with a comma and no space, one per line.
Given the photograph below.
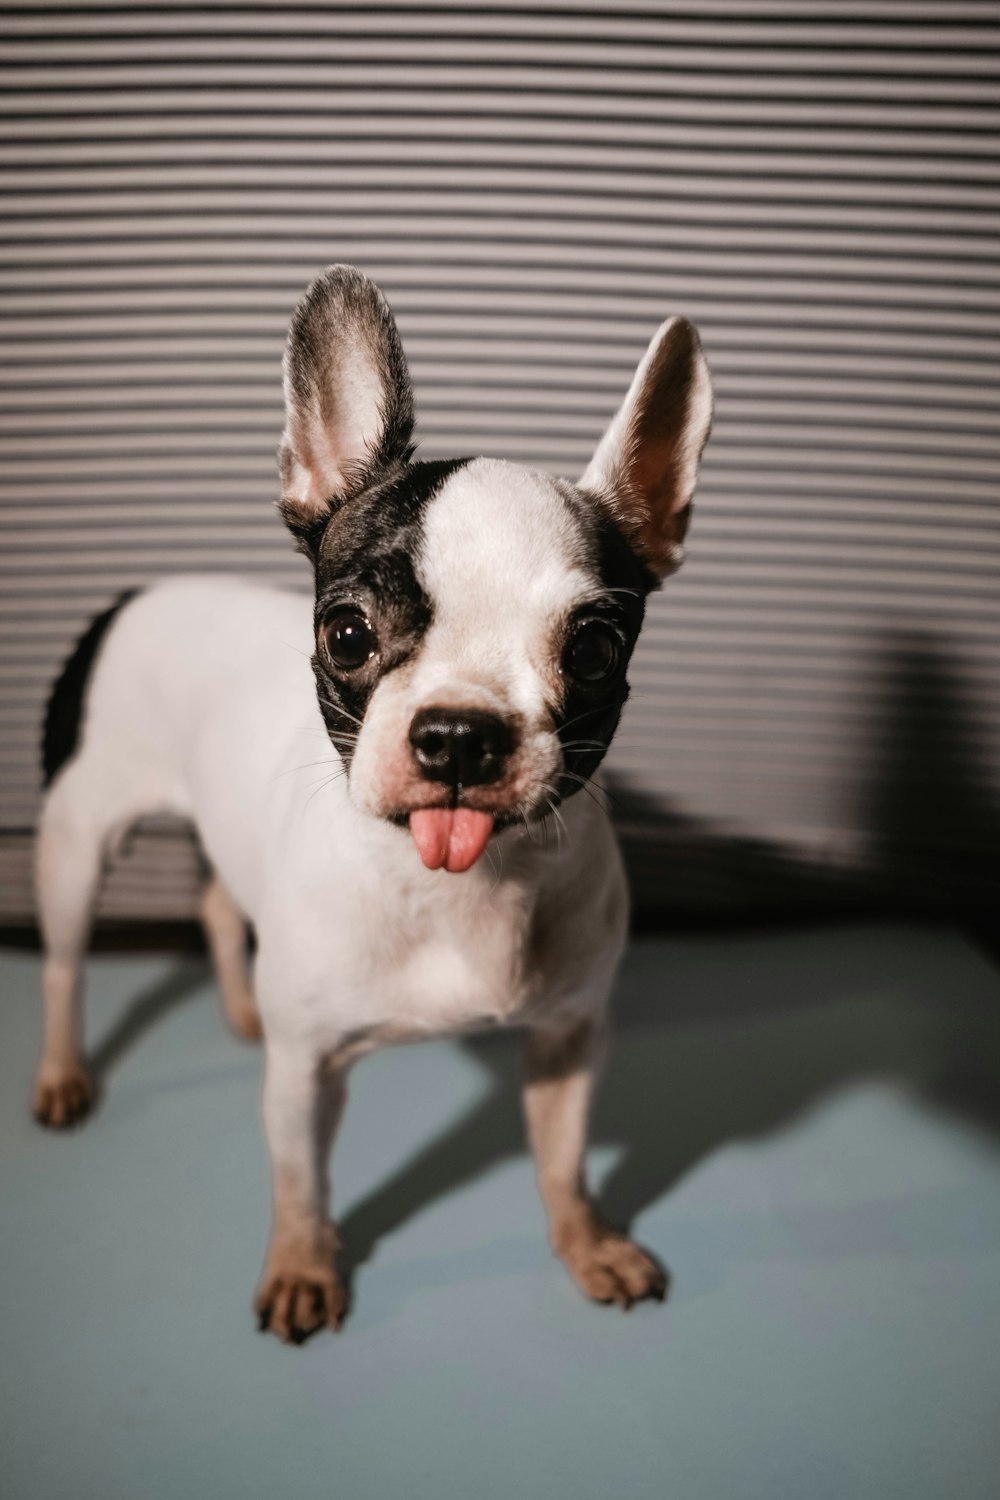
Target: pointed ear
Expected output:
[348,402]
[646,464]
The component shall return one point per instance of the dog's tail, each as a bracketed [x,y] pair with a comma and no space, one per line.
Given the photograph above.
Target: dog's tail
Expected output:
[64,710]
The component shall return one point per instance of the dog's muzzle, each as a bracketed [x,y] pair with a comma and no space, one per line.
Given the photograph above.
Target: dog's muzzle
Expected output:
[458,749]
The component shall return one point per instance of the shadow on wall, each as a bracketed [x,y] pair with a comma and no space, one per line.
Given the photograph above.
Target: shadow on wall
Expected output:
[927,822]
[934,802]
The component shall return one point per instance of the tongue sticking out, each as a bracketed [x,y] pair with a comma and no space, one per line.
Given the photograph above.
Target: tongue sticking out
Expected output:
[454,837]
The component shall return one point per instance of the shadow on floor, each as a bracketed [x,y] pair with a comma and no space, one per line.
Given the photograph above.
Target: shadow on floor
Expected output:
[727,1039]
[717,1039]
[145,1012]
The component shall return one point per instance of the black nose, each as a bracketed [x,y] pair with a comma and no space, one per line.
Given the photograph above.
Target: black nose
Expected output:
[460,747]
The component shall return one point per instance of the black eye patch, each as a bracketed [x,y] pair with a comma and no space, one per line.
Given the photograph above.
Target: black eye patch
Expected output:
[372,620]
[371,612]
[596,647]
[594,660]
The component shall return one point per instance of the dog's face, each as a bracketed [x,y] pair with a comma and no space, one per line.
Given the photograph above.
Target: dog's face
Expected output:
[474,619]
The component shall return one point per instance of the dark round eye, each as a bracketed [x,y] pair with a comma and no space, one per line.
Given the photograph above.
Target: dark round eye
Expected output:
[593,653]
[350,639]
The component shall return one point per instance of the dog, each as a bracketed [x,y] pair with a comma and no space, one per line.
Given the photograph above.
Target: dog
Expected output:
[454,683]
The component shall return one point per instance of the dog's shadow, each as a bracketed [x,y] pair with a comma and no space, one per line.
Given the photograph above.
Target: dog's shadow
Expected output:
[167,993]
[730,1038]
[717,1038]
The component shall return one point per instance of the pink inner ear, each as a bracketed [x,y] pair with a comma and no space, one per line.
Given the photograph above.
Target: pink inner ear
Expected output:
[347,394]
[301,493]
[317,460]
[647,462]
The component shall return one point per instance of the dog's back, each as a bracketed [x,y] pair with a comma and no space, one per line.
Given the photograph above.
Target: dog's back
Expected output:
[64,711]
[188,698]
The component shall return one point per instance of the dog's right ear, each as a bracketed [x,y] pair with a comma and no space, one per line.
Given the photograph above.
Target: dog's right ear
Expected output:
[348,400]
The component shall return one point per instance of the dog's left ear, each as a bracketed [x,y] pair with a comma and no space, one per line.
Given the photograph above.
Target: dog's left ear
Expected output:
[348,400]
[646,464]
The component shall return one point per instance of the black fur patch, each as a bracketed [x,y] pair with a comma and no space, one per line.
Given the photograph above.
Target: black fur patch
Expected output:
[365,560]
[64,710]
[586,718]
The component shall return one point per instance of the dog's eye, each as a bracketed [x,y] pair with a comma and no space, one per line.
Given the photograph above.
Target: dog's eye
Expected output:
[350,639]
[593,653]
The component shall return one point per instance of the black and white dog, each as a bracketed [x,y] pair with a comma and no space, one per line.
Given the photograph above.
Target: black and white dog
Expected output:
[457,678]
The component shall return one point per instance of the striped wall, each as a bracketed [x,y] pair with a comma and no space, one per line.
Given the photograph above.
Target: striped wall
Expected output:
[815,184]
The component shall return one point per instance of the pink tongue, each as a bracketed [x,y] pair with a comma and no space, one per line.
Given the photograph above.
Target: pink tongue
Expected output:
[454,837]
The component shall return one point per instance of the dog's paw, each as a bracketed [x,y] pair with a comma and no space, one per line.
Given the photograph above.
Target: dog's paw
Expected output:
[64,1101]
[294,1304]
[610,1268]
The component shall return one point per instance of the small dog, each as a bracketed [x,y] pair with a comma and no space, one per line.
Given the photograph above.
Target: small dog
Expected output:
[464,659]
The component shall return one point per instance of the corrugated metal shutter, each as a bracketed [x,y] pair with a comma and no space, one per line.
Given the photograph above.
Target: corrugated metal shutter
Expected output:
[815,184]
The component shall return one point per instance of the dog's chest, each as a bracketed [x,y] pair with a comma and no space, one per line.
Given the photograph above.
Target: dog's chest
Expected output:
[463,959]
[441,955]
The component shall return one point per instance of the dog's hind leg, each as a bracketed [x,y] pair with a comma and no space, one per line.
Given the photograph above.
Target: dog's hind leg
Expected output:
[93,799]
[226,933]
[72,835]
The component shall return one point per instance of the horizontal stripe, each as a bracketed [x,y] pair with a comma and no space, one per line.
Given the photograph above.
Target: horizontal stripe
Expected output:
[816,184]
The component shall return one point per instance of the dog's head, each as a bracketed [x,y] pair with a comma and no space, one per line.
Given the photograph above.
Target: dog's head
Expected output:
[474,619]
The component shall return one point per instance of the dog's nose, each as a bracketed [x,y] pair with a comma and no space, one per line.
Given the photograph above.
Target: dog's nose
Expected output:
[461,747]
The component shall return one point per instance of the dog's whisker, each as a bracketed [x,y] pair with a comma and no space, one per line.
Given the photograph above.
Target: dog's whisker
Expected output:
[560,820]
[326,782]
[520,811]
[297,649]
[585,781]
[335,775]
[552,797]
[614,798]
[591,788]
[586,787]
[306,766]
[348,735]
[496,871]
[587,713]
[338,708]
[560,823]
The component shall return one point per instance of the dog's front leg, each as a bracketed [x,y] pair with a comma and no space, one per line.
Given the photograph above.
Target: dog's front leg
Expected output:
[559,1081]
[300,1290]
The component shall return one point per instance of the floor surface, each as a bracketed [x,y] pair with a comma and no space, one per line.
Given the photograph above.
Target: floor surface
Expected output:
[804,1127]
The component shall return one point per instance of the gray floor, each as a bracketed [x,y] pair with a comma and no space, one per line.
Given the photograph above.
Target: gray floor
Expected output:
[803,1127]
